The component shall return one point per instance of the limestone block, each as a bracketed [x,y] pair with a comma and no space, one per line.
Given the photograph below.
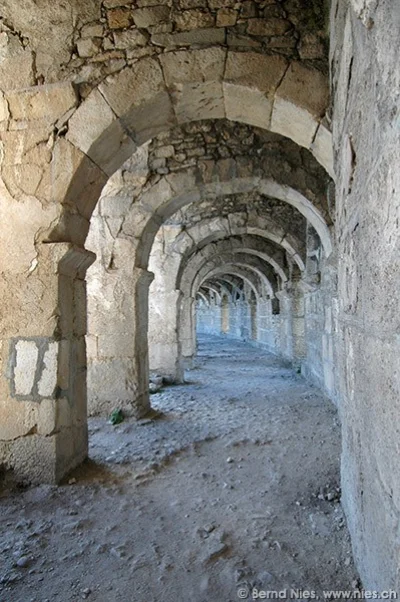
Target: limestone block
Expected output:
[92,30]
[88,47]
[48,378]
[118,18]
[268,27]
[253,70]
[193,19]
[16,70]
[152,15]
[30,147]
[4,112]
[22,180]
[64,363]
[26,358]
[112,381]
[89,121]
[182,183]
[198,37]
[226,17]
[94,130]
[138,94]
[33,459]
[41,105]
[46,419]
[296,110]
[157,196]
[192,66]
[322,149]
[194,102]
[249,83]
[28,216]
[130,38]
[293,122]
[116,345]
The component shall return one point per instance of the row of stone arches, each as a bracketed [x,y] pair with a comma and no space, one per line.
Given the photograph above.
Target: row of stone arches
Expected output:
[116,118]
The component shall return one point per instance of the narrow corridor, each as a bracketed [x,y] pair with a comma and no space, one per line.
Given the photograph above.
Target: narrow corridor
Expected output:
[233,484]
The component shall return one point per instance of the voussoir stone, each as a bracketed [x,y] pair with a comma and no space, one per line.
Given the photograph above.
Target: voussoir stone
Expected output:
[193,65]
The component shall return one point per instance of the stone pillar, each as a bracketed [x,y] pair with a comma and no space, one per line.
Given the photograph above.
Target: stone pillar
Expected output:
[118,366]
[164,345]
[43,410]
[225,307]
[298,326]
[187,330]
[266,331]
[285,335]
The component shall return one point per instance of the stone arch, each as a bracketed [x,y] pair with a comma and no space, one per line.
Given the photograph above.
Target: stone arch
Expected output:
[191,282]
[246,274]
[177,190]
[204,298]
[212,289]
[118,116]
[228,247]
[193,239]
[164,354]
[189,85]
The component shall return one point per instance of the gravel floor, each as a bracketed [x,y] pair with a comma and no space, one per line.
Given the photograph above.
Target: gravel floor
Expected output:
[233,485]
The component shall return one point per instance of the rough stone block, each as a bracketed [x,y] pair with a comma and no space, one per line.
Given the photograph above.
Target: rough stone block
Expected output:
[43,104]
[130,38]
[249,83]
[152,15]
[48,378]
[193,66]
[88,47]
[193,19]
[118,18]
[226,17]
[268,27]
[199,37]
[92,118]
[322,149]
[16,71]
[26,357]
[138,94]
[306,88]
[294,122]
[249,106]
[193,102]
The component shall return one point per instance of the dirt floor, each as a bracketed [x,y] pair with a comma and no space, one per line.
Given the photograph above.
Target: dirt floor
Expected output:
[234,485]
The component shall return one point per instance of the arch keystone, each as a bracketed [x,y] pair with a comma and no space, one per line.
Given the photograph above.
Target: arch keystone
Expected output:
[194,78]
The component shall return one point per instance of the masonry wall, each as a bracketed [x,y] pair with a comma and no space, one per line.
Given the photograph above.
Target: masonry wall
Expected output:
[321,327]
[208,318]
[248,321]
[366,83]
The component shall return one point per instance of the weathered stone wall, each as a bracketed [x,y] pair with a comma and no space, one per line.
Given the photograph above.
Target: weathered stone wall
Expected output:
[105,79]
[268,327]
[248,319]
[321,332]
[86,40]
[366,83]
[320,316]
[209,318]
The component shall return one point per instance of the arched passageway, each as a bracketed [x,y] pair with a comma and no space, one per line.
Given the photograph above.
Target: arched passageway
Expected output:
[228,150]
